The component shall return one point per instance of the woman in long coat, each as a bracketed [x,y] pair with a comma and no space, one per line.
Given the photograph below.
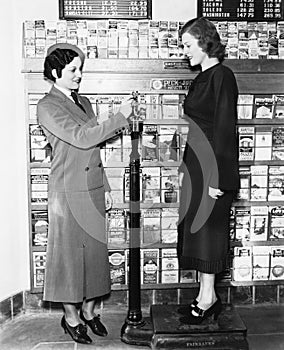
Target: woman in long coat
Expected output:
[77,267]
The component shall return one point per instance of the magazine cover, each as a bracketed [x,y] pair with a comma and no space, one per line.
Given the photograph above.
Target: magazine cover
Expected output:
[263,145]
[151,187]
[242,264]
[127,147]
[170,269]
[272,41]
[245,106]
[277,143]
[112,151]
[244,190]
[51,32]
[276,222]
[276,183]
[155,110]
[149,143]
[246,142]
[188,276]
[168,143]
[39,261]
[242,218]
[117,267]
[278,110]
[39,227]
[33,100]
[258,223]
[169,185]
[115,180]
[252,38]
[261,262]
[39,179]
[126,185]
[151,225]
[263,106]
[150,266]
[116,226]
[259,180]
[169,222]
[170,106]
[39,185]
[277,263]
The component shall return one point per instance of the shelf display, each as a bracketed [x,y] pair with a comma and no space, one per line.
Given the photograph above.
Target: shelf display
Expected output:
[114,38]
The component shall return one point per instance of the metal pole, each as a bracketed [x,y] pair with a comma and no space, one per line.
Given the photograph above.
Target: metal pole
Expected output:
[134,312]
[132,332]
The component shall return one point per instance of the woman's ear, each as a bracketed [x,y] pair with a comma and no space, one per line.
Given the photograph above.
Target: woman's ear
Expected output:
[54,73]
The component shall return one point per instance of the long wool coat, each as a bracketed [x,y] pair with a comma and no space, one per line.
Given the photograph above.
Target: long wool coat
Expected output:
[77,258]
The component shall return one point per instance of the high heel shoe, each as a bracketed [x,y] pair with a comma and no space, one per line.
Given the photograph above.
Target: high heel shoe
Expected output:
[215,309]
[95,324]
[185,310]
[77,333]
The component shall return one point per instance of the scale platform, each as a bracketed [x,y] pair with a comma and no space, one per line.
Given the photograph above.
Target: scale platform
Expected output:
[227,333]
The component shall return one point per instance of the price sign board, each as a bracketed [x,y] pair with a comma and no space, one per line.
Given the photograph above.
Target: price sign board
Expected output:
[104,9]
[171,84]
[241,10]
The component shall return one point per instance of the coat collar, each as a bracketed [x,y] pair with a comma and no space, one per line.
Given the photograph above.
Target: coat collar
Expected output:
[77,112]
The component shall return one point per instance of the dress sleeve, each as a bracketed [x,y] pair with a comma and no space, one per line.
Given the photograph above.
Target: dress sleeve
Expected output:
[224,129]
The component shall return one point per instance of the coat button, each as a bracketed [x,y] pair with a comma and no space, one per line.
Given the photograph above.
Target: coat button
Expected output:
[87,168]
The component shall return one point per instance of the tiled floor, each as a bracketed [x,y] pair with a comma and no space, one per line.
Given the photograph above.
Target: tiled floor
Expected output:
[42,331]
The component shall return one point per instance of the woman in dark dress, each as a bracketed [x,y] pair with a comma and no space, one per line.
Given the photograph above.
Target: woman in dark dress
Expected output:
[209,172]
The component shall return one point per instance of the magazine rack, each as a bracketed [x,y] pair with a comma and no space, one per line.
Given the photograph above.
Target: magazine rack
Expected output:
[107,79]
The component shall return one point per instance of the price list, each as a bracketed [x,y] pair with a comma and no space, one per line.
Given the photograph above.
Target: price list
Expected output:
[95,9]
[242,10]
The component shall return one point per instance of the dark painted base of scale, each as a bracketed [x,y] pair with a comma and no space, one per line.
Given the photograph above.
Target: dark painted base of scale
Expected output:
[165,331]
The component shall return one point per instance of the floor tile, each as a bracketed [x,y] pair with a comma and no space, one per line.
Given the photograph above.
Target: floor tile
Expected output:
[42,331]
[266,342]
[55,346]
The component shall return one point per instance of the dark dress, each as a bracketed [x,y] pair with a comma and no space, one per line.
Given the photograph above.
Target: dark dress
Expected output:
[210,159]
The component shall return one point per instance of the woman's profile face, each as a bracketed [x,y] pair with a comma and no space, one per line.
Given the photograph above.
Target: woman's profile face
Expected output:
[192,50]
[71,75]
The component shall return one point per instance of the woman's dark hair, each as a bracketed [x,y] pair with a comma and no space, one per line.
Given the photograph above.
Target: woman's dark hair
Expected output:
[208,38]
[57,60]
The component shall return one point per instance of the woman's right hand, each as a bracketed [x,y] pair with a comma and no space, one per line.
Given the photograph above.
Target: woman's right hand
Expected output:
[215,192]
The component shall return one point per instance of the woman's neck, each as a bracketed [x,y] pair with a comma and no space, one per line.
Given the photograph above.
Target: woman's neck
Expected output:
[208,63]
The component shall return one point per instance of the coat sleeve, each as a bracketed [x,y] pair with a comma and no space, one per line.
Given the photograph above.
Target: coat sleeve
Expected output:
[224,129]
[58,122]
[106,183]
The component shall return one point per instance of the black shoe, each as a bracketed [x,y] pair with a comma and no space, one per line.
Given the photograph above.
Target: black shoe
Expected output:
[214,309]
[95,324]
[78,333]
[185,310]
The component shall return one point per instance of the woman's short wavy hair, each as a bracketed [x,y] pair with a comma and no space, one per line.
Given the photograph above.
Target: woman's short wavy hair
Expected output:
[208,38]
[57,60]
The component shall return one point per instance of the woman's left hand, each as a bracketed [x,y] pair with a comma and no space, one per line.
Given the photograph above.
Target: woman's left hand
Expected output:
[215,192]
[108,200]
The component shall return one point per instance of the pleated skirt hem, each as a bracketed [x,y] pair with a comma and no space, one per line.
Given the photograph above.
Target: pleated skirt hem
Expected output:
[212,267]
